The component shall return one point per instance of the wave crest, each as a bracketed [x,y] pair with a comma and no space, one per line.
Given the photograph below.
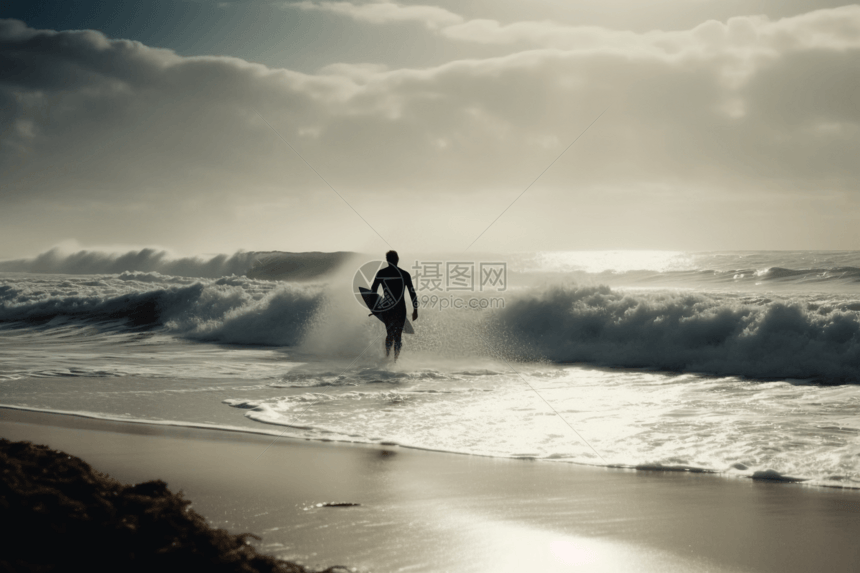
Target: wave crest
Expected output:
[684,332]
[272,265]
[231,311]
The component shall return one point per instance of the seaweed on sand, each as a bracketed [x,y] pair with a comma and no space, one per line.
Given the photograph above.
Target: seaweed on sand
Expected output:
[58,514]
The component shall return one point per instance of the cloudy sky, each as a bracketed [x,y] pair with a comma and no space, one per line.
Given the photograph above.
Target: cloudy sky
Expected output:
[726,124]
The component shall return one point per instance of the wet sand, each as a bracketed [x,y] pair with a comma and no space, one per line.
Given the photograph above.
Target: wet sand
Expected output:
[427,511]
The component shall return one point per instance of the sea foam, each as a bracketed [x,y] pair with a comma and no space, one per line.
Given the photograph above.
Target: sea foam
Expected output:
[767,335]
[681,331]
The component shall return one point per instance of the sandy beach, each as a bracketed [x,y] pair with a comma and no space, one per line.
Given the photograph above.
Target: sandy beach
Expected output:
[427,511]
[466,287]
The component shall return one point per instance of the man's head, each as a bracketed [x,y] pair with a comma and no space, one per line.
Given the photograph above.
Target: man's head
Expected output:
[391,257]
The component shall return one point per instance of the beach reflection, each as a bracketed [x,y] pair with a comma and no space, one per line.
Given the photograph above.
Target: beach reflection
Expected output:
[502,546]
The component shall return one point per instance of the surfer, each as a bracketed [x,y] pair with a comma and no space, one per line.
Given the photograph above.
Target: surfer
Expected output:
[395,281]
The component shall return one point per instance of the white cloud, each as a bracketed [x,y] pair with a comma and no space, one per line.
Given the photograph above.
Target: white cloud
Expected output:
[384,12]
[721,119]
[836,29]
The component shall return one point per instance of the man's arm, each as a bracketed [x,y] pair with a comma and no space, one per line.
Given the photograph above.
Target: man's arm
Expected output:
[413,295]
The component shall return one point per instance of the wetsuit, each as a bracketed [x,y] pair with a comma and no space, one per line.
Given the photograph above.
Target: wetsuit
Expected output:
[395,281]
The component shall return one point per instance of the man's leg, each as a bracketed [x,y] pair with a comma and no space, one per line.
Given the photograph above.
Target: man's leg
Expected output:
[389,339]
[394,329]
[397,342]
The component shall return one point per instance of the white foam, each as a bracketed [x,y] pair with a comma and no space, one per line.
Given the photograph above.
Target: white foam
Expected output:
[693,332]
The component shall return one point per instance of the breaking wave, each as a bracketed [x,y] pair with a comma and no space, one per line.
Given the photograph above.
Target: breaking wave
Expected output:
[709,333]
[808,336]
[258,265]
[229,310]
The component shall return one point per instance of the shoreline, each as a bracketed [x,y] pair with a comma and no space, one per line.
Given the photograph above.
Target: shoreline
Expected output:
[431,511]
[765,476]
[68,516]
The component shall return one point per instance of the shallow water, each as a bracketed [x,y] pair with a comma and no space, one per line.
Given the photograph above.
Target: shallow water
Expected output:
[676,366]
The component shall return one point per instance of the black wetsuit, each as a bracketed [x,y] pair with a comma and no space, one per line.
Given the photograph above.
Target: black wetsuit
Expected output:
[395,281]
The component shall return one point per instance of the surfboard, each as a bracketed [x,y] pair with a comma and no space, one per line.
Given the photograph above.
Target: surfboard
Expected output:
[374,303]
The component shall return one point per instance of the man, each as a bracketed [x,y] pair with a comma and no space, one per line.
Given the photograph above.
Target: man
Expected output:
[394,283]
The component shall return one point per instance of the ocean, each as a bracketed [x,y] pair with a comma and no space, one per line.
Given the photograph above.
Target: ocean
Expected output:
[743,364]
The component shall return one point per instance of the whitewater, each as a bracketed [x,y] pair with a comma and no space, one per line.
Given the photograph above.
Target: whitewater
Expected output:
[744,364]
